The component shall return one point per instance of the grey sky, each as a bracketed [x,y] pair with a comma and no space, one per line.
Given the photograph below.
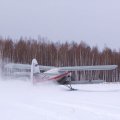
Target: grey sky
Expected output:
[97,22]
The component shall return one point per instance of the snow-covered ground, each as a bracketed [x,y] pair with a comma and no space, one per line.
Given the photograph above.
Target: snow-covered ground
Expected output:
[20,100]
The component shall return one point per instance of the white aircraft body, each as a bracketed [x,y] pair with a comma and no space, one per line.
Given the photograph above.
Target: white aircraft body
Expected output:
[60,74]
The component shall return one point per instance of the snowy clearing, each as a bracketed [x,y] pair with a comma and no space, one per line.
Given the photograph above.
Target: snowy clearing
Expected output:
[20,100]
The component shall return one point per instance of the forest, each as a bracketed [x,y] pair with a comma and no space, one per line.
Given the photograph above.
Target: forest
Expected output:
[62,54]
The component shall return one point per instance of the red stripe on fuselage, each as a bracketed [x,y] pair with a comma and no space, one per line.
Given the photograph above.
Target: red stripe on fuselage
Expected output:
[59,76]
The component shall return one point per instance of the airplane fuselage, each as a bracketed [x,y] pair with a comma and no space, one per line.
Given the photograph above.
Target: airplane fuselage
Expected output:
[53,74]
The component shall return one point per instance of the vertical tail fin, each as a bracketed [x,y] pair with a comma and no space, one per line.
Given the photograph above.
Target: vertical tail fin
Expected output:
[34,69]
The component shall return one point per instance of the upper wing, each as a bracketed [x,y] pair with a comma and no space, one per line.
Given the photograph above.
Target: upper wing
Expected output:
[17,70]
[26,66]
[71,68]
[41,67]
[18,66]
[80,68]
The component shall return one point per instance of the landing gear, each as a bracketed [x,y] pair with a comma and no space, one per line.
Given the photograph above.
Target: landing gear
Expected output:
[67,82]
[70,87]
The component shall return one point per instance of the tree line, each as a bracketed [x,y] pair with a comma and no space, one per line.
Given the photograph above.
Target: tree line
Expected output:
[62,54]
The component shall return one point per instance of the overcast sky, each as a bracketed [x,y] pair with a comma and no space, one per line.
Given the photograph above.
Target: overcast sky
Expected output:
[97,22]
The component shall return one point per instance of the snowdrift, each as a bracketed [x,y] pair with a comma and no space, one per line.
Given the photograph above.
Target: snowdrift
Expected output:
[20,100]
